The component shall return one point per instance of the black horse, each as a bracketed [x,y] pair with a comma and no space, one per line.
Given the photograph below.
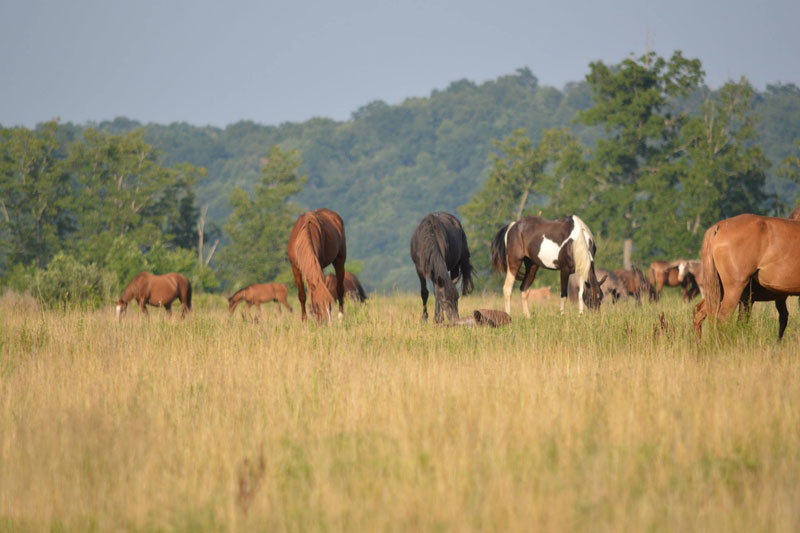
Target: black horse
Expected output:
[440,252]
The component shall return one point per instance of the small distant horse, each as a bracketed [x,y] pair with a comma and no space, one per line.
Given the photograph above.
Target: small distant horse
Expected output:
[440,253]
[665,274]
[317,240]
[352,287]
[795,214]
[636,284]
[746,259]
[566,245]
[159,291]
[690,275]
[259,293]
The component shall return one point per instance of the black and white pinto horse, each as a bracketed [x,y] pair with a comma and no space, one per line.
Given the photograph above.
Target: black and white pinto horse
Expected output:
[440,253]
[566,245]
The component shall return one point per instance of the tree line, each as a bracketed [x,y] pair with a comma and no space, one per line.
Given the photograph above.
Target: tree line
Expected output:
[642,150]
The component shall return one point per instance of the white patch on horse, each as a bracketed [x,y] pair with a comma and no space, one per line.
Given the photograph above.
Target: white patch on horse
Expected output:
[548,252]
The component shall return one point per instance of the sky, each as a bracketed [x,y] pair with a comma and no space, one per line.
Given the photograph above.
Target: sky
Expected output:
[216,63]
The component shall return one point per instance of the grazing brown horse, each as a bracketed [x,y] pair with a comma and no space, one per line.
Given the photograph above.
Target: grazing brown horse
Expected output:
[636,284]
[746,259]
[160,291]
[318,240]
[665,274]
[566,245]
[259,293]
[352,287]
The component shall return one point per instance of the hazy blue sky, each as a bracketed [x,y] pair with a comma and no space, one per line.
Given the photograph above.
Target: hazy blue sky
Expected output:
[219,62]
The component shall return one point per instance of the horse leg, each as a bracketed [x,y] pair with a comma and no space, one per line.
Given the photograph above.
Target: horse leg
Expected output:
[278,305]
[338,267]
[700,314]
[564,286]
[732,295]
[527,280]
[783,316]
[168,309]
[423,291]
[301,293]
[437,311]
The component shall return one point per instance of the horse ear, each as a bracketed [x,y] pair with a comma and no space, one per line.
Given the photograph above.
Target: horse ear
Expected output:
[603,280]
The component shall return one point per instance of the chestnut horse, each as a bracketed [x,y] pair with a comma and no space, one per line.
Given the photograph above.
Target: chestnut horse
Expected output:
[440,253]
[566,245]
[318,240]
[259,293]
[666,274]
[159,291]
[352,287]
[746,259]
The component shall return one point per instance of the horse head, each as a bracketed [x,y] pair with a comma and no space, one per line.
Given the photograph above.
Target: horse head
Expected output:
[446,293]
[592,290]
[122,307]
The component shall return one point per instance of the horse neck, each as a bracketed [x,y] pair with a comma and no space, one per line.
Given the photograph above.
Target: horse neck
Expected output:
[130,292]
[582,256]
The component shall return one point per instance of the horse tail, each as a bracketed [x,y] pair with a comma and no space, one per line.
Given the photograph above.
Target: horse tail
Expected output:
[188,295]
[467,270]
[499,259]
[306,247]
[712,287]
[362,294]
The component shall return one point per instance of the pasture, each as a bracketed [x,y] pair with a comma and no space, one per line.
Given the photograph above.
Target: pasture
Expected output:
[608,421]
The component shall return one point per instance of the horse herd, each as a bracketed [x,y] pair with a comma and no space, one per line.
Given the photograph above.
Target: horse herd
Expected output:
[745,259]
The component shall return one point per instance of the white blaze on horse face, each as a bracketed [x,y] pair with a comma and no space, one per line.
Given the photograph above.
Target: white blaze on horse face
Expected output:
[548,252]
[119,310]
[681,271]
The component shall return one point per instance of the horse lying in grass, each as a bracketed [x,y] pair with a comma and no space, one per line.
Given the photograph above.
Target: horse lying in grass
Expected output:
[259,293]
[158,291]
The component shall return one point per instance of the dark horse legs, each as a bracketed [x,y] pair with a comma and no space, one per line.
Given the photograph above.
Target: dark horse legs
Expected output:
[424,294]
[338,267]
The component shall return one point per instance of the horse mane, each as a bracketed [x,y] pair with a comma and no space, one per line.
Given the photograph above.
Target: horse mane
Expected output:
[306,246]
[582,252]
[431,247]
[237,293]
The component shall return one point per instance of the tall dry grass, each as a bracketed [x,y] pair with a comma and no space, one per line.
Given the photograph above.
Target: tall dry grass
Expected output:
[606,421]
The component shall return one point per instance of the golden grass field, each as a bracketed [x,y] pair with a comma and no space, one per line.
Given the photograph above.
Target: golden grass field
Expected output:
[600,422]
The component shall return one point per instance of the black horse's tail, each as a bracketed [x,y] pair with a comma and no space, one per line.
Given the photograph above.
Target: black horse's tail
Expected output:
[362,294]
[499,260]
[188,295]
[467,271]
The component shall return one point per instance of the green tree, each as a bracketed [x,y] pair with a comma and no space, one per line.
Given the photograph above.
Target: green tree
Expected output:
[34,187]
[725,170]
[260,224]
[123,189]
[790,170]
[550,178]
[635,103]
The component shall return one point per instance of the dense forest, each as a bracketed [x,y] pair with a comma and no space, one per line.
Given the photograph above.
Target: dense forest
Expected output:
[389,165]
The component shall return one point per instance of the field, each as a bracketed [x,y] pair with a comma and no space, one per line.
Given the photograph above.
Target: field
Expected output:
[605,422]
